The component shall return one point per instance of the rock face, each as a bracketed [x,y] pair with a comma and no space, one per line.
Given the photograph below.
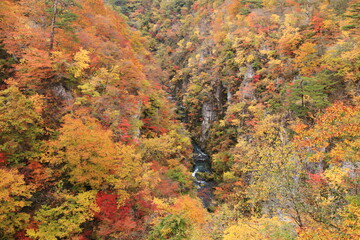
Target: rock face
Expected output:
[208,115]
[229,95]
[61,92]
[214,107]
[247,89]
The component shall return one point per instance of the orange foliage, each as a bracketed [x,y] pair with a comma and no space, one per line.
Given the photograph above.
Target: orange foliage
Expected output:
[89,158]
[335,134]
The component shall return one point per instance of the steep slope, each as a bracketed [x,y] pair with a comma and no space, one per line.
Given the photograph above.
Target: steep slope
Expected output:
[259,82]
[90,147]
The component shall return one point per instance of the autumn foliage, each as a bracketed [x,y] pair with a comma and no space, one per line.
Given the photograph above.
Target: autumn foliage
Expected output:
[100,102]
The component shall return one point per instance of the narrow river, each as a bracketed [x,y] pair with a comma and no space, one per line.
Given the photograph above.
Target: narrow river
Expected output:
[203,176]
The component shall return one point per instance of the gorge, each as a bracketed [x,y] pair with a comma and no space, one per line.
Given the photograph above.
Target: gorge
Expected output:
[179,119]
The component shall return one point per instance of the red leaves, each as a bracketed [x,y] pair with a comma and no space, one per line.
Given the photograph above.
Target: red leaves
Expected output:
[256,78]
[196,5]
[107,204]
[317,23]
[316,179]
[3,159]
[22,236]
[125,219]
[124,128]
[36,174]
[167,188]
[113,218]
[251,122]
[151,128]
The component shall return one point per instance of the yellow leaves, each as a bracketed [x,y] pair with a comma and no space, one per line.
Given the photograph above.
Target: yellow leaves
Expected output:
[229,177]
[189,44]
[92,158]
[317,232]
[288,42]
[186,209]
[347,228]
[306,49]
[242,231]
[250,58]
[267,52]
[317,157]
[235,113]
[87,199]
[12,184]
[181,43]
[269,3]
[38,101]
[240,58]
[235,122]
[335,175]
[328,24]
[351,57]
[222,123]
[160,204]
[260,228]
[268,128]
[160,148]
[306,59]
[351,216]
[291,19]
[81,63]
[127,171]
[64,221]
[346,150]
[274,62]
[274,18]
[13,195]
[257,110]
[196,32]
[105,79]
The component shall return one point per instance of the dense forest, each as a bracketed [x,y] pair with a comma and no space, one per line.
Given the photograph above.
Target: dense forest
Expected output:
[107,108]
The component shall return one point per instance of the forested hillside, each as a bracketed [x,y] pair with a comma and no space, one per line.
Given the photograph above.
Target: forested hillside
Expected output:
[103,102]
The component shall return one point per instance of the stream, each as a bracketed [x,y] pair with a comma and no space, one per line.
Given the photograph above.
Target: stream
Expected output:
[202,173]
[203,176]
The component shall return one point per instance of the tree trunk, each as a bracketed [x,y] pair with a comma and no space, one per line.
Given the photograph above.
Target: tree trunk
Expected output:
[52,32]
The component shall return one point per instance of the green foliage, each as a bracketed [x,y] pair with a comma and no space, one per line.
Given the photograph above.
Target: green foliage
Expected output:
[254,66]
[253,3]
[354,14]
[6,64]
[20,125]
[175,145]
[222,162]
[181,175]
[173,227]
[307,95]
[64,16]
[245,11]
[66,219]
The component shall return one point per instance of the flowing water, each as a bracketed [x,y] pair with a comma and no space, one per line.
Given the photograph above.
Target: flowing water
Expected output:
[202,175]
